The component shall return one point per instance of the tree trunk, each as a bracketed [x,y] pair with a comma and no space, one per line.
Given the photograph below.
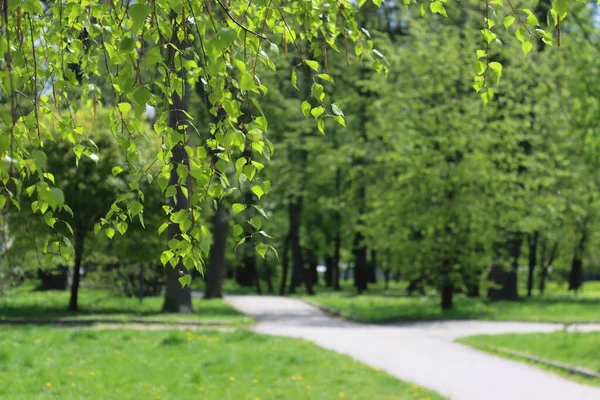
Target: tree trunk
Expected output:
[337,245]
[178,298]
[215,271]
[447,293]
[533,242]
[511,290]
[329,271]
[359,247]
[545,265]
[576,273]
[284,265]
[299,274]
[372,276]
[79,245]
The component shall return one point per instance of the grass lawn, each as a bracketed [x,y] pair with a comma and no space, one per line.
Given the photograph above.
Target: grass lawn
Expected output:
[23,302]
[576,349]
[388,306]
[47,363]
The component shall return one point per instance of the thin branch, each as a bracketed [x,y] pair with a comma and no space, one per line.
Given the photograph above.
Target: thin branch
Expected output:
[258,35]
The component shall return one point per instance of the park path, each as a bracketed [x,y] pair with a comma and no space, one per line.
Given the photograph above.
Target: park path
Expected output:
[422,353]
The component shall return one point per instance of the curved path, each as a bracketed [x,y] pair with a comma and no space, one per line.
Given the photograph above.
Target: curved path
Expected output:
[423,353]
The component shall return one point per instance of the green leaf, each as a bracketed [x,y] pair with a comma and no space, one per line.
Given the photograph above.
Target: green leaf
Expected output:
[135,207]
[481,54]
[526,46]
[496,70]
[261,249]
[33,6]
[561,7]
[162,228]
[97,228]
[508,21]
[39,158]
[246,82]
[340,120]
[294,79]
[336,110]
[185,280]
[321,126]
[237,208]
[479,67]
[256,222]
[124,107]
[122,227]
[56,197]
[179,216]
[237,230]
[258,191]
[437,7]
[326,77]
[166,256]
[139,13]
[126,45]
[306,108]
[312,64]
[110,232]
[317,111]
[117,170]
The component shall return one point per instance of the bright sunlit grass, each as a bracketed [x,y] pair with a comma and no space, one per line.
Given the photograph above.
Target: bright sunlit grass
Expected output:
[46,363]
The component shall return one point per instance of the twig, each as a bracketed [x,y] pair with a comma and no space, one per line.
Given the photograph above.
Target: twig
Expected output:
[258,35]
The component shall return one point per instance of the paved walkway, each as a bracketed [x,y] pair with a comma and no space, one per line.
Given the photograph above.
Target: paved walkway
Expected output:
[423,353]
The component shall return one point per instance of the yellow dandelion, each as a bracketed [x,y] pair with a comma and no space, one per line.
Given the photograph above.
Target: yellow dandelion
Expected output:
[300,378]
[294,378]
[202,389]
[254,380]
[257,398]
[92,373]
[48,384]
[341,395]
[70,373]
[376,369]
[73,384]
[158,396]
[195,369]
[232,378]
[308,388]
[153,388]
[117,352]
[49,359]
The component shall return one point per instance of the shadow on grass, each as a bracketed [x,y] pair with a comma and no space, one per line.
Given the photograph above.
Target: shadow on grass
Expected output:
[101,303]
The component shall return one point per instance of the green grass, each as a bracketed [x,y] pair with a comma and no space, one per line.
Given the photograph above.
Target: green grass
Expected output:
[575,349]
[23,302]
[46,363]
[394,305]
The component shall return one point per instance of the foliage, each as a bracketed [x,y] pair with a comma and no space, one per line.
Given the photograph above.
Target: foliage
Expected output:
[219,365]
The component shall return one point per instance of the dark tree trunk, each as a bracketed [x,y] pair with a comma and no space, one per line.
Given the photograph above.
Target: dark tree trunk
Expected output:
[329,271]
[284,265]
[533,243]
[359,248]
[473,289]
[545,265]
[79,245]
[337,247]
[506,278]
[447,293]
[299,274]
[215,271]
[372,276]
[178,298]
[576,273]
[514,250]
[313,262]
